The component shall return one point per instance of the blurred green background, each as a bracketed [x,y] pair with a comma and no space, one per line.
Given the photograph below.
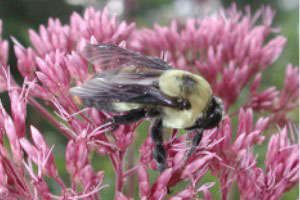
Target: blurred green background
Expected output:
[20,15]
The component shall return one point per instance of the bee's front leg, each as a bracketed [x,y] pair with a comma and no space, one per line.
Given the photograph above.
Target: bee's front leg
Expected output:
[195,142]
[159,150]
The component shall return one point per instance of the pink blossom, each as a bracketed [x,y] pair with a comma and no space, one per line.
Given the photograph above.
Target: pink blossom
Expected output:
[278,103]
[121,196]
[3,48]
[230,46]
[77,66]
[263,100]
[26,60]
[51,38]
[3,60]
[144,186]
[12,175]
[228,49]
[234,154]
[18,109]
[10,130]
[98,24]
[40,153]
[76,156]
[281,173]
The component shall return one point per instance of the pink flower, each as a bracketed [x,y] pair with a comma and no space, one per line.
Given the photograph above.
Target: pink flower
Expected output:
[18,109]
[281,169]
[231,47]
[98,24]
[10,130]
[3,48]
[228,49]
[13,183]
[26,60]
[44,155]
[233,154]
[51,38]
[3,61]
[278,103]
[53,73]
[144,185]
[76,156]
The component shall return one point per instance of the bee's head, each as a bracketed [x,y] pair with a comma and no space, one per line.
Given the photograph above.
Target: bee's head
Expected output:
[212,116]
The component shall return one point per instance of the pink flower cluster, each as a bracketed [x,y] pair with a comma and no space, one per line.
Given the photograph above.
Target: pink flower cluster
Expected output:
[229,45]
[229,50]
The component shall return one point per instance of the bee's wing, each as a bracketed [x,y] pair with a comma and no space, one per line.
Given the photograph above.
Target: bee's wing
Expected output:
[130,77]
[109,56]
[115,86]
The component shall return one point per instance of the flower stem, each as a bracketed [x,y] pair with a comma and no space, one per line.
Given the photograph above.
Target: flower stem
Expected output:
[41,109]
[119,173]
[48,116]
[130,166]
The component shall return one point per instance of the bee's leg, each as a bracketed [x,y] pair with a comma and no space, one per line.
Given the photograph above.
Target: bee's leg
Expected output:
[159,150]
[130,117]
[195,142]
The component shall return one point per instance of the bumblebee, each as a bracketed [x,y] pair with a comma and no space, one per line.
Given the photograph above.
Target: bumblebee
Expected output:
[147,87]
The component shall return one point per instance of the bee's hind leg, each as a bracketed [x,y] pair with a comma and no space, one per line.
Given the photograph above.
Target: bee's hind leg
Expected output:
[159,150]
[130,117]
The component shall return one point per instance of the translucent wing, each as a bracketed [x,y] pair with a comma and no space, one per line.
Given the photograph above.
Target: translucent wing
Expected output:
[100,90]
[109,56]
[133,78]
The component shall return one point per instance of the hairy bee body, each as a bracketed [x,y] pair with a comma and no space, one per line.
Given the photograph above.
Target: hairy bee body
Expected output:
[145,87]
[174,83]
[183,84]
